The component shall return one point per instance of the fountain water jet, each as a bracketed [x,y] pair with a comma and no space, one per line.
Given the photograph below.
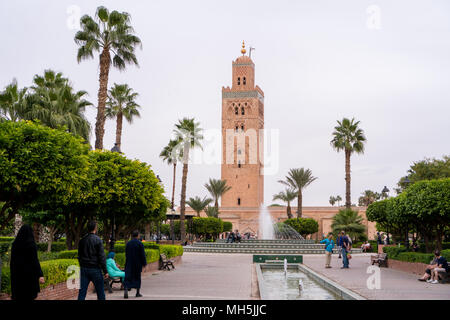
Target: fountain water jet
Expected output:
[265,224]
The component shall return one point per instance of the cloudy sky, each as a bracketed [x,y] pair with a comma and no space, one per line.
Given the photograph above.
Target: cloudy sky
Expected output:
[386,63]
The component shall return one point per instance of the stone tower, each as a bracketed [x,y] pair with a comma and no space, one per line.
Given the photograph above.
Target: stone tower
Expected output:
[242,136]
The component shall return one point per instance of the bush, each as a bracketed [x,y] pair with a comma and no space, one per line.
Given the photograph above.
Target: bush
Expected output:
[45,256]
[55,271]
[415,257]
[393,252]
[6,239]
[68,254]
[4,247]
[171,250]
[56,246]
[151,255]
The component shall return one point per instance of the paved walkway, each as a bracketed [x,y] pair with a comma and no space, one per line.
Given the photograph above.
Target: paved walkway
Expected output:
[211,276]
[200,276]
[395,284]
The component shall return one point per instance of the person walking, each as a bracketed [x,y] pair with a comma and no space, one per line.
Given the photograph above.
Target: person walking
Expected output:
[91,257]
[26,272]
[135,261]
[339,243]
[329,245]
[345,250]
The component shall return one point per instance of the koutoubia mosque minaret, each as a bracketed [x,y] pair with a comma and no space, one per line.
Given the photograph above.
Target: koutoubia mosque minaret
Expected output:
[242,136]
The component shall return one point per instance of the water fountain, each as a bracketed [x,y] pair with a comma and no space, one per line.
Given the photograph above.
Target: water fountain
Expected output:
[285,267]
[266,223]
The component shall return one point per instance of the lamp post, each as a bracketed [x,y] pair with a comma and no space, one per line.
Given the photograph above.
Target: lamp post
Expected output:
[384,195]
[406,181]
[113,226]
[171,226]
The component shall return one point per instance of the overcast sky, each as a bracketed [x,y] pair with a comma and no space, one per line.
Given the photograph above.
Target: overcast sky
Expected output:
[386,63]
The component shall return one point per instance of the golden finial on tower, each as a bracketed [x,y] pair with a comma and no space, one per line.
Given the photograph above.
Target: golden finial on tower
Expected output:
[243,51]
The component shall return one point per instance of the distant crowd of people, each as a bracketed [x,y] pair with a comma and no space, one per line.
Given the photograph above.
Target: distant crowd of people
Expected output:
[27,275]
[235,236]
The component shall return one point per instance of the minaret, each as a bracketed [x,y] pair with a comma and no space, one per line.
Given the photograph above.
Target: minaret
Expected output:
[242,143]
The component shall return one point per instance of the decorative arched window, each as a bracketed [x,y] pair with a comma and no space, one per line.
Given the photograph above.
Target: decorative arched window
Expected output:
[236,110]
[237,129]
[239,201]
[239,151]
[239,81]
[243,81]
[239,163]
[242,110]
[242,127]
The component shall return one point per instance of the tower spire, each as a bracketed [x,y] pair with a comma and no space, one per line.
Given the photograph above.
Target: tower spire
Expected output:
[243,51]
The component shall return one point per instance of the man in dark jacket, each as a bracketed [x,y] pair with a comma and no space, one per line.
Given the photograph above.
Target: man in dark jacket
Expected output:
[91,257]
[135,261]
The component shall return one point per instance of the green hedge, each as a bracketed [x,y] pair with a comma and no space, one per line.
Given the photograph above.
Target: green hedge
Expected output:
[4,247]
[7,239]
[400,253]
[151,255]
[171,250]
[68,254]
[56,246]
[55,271]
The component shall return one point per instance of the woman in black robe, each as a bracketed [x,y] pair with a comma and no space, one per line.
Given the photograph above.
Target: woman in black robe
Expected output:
[26,273]
[135,261]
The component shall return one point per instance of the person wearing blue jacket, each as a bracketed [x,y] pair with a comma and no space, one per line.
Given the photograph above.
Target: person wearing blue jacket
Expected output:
[111,267]
[329,245]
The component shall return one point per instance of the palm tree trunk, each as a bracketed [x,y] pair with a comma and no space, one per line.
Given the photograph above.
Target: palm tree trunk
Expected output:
[348,201]
[299,204]
[288,211]
[216,204]
[173,184]
[105,61]
[119,129]
[183,202]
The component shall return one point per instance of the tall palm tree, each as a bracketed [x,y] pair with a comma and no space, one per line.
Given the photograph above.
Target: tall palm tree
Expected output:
[198,205]
[349,137]
[332,200]
[188,133]
[368,197]
[338,199]
[121,104]
[349,221]
[297,180]
[286,196]
[172,153]
[217,188]
[12,102]
[53,102]
[109,33]
[212,212]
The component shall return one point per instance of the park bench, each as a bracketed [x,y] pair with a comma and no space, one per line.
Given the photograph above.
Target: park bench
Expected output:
[444,276]
[165,263]
[110,281]
[380,259]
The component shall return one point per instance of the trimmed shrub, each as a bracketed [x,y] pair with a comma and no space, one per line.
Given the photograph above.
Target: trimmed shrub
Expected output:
[56,246]
[55,271]
[393,252]
[68,254]
[45,256]
[152,255]
[6,239]
[414,257]
[171,250]
[4,247]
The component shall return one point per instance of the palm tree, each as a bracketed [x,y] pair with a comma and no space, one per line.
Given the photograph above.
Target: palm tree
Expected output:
[349,221]
[12,102]
[368,197]
[348,137]
[338,199]
[286,196]
[172,153]
[107,33]
[198,205]
[53,102]
[217,188]
[297,180]
[121,103]
[332,200]
[212,212]
[188,133]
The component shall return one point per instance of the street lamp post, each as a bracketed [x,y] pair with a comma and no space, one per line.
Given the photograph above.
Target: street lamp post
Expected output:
[171,226]
[385,192]
[113,226]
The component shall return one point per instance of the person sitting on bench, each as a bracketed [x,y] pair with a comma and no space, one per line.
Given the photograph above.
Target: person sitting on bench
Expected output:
[441,266]
[428,272]
[112,268]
